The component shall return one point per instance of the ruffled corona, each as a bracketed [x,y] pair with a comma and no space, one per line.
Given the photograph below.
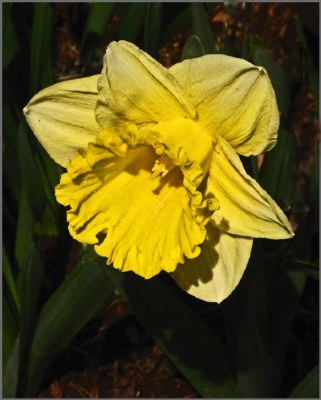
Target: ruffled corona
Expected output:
[140,220]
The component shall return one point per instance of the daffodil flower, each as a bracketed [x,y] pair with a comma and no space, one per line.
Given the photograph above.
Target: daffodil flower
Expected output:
[153,179]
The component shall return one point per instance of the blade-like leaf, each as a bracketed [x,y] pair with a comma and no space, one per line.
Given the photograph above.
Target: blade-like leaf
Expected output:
[278,76]
[309,386]
[131,22]
[96,25]
[24,228]
[10,380]
[193,48]
[308,268]
[278,175]
[258,373]
[312,73]
[66,312]
[153,28]
[97,20]
[10,323]
[41,35]
[193,348]
[183,20]
[10,41]
[9,279]
[30,174]
[202,27]
[29,285]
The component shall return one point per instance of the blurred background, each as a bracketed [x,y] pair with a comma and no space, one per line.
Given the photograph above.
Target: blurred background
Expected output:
[73,327]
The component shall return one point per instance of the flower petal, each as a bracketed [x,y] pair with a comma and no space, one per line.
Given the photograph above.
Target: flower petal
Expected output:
[215,273]
[139,222]
[63,119]
[137,88]
[233,99]
[245,208]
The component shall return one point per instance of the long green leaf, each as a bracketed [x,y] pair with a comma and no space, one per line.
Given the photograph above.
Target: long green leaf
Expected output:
[153,28]
[131,22]
[30,174]
[278,174]
[258,373]
[309,386]
[10,380]
[41,36]
[278,76]
[202,27]
[193,348]
[193,48]
[9,278]
[24,230]
[308,268]
[66,312]
[29,285]
[96,23]
[183,20]
[10,41]
[312,73]
[10,322]
[284,296]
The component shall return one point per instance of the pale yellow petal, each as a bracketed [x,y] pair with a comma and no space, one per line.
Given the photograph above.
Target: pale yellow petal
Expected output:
[233,99]
[216,272]
[137,88]
[245,208]
[140,222]
[63,119]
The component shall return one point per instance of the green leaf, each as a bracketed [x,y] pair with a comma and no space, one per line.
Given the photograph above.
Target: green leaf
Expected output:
[10,321]
[131,22]
[202,27]
[278,174]
[65,313]
[49,173]
[312,73]
[308,268]
[9,279]
[286,289]
[24,230]
[96,23]
[189,343]
[258,373]
[183,20]
[245,44]
[30,174]
[10,380]
[10,41]
[153,28]
[41,37]
[29,285]
[228,48]
[193,48]
[278,76]
[309,386]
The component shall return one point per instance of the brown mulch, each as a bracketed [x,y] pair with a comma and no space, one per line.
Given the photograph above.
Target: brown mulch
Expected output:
[146,375]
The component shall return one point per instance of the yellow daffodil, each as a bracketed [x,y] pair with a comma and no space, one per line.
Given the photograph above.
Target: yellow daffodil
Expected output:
[153,178]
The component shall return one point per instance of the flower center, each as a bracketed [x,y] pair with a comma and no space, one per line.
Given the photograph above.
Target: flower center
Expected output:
[163,165]
[187,136]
